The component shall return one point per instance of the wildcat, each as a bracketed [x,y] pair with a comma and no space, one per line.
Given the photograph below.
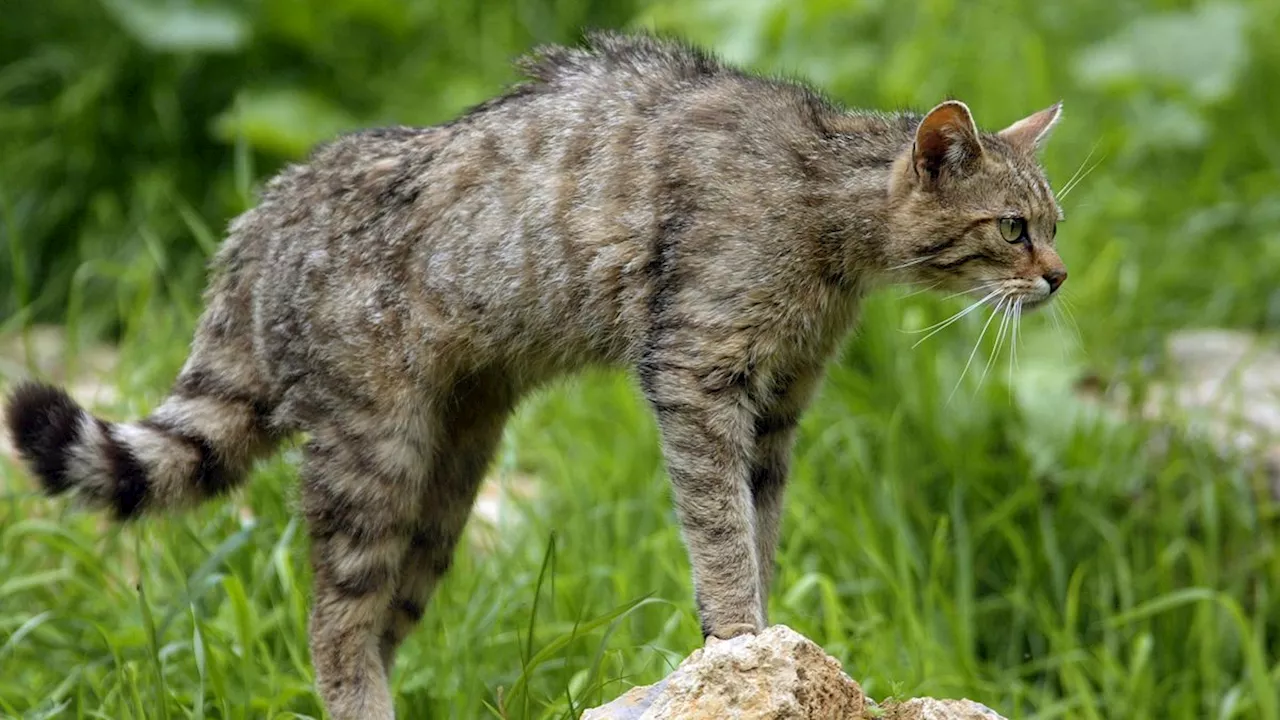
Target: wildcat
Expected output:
[634,202]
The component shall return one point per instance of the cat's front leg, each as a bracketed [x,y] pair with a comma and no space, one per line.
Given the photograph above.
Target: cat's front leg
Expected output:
[708,438]
[779,413]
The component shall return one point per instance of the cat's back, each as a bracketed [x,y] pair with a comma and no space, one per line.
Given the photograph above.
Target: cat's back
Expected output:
[587,137]
[530,222]
[581,116]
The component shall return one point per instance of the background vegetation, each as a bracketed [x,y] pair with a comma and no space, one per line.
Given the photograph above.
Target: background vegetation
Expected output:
[1011,543]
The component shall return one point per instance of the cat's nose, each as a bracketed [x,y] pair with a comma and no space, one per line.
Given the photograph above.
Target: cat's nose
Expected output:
[1055,278]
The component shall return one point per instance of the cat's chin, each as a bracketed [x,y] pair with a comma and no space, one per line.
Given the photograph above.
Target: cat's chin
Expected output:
[1036,303]
[1024,304]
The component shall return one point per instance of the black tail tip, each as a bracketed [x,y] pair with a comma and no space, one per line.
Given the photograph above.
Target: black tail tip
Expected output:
[44,422]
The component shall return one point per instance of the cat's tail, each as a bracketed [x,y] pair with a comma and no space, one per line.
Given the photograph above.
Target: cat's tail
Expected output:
[198,444]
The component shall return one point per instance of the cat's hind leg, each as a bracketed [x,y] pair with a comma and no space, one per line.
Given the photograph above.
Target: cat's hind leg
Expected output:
[362,484]
[470,428]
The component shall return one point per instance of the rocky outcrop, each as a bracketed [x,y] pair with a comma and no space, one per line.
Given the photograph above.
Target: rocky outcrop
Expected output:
[776,675]
[1221,386]
[931,709]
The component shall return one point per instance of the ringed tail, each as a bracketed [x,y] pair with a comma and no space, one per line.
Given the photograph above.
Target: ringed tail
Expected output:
[199,444]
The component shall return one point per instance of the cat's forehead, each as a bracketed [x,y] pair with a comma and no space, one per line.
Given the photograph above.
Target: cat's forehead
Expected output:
[1019,179]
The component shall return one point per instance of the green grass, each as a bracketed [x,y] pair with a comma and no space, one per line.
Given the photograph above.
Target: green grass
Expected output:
[961,550]
[1010,543]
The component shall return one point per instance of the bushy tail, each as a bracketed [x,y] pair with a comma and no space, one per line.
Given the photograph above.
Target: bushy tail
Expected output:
[198,444]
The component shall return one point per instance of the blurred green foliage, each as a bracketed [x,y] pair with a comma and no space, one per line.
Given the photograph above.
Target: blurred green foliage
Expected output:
[120,119]
[1008,542]
[128,127]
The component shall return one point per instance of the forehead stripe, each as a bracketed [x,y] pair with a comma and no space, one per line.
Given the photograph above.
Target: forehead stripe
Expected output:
[1035,184]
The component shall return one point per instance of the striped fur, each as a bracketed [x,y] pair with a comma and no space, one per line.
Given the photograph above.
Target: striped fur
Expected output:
[190,450]
[635,203]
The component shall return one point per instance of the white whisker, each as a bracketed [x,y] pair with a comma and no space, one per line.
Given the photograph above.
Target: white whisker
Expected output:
[1057,329]
[995,351]
[1072,186]
[909,263]
[1069,316]
[1013,344]
[980,286]
[919,290]
[976,345]
[1020,304]
[939,327]
[1083,163]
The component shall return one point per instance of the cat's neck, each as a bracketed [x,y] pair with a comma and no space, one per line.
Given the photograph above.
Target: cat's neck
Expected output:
[863,150]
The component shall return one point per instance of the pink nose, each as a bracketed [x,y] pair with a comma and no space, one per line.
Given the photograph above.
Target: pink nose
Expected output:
[1055,278]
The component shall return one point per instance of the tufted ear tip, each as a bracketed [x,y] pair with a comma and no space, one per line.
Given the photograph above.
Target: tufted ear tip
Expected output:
[947,141]
[1031,132]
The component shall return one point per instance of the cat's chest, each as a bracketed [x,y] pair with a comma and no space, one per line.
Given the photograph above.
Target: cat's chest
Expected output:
[806,328]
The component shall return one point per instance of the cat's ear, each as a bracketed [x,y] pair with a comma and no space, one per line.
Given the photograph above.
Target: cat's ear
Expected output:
[1029,133]
[946,142]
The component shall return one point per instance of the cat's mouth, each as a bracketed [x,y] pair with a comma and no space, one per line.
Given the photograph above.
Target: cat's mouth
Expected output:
[1020,299]
[1008,294]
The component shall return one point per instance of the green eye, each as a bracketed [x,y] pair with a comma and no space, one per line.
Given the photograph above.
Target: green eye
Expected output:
[1013,229]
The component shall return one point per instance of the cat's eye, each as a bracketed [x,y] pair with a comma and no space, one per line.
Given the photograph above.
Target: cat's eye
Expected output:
[1013,229]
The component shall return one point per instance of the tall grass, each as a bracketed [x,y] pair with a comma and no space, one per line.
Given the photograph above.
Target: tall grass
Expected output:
[1012,543]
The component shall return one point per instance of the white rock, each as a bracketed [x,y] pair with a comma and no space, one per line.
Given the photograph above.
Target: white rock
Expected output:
[931,709]
[776,675]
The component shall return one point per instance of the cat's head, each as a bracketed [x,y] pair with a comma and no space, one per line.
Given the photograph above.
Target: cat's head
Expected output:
[972,211]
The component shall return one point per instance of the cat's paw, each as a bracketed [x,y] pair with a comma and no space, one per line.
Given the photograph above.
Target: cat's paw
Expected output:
[728,632]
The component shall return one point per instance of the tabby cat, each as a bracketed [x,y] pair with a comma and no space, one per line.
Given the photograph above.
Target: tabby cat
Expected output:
[634,202]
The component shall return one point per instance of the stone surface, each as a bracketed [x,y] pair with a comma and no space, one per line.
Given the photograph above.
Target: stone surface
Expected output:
[931,709]
[1227,383]
[1220,385]
[776,675]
